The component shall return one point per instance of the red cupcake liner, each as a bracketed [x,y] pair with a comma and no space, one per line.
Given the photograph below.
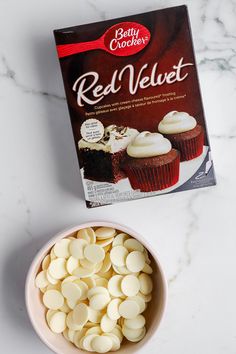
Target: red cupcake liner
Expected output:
[189,148]
[154,178]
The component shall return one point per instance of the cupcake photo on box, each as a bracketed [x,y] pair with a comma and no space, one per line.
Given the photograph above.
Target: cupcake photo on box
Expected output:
[102,160]
[151,164]
[184,133]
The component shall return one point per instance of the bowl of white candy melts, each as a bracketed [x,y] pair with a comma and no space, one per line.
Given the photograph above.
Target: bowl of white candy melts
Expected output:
[97,287]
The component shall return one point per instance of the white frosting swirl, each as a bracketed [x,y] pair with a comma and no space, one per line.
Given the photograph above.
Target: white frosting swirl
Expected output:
[177,122]
[148,144]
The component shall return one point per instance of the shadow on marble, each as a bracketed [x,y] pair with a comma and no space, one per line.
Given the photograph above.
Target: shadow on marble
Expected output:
[14,275]
[57,117]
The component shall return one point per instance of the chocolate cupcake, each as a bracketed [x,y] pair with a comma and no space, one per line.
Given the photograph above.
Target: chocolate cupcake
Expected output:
[101,161]
[184,133]
[151,164]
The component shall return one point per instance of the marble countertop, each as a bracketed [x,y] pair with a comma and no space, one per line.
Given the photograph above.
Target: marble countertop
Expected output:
[41,192]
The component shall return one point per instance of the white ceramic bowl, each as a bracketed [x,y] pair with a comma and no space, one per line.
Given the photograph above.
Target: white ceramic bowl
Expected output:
[36,309]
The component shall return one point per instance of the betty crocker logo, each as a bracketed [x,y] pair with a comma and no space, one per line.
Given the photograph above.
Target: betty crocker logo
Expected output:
[127,38]
[122,39]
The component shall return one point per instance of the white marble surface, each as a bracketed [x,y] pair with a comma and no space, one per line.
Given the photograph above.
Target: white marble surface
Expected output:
[40,187]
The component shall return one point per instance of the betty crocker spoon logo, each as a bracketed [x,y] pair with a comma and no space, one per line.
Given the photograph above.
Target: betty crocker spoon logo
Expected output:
[122,39]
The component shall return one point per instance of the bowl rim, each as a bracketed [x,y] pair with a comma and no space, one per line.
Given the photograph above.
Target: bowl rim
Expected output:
[64,233]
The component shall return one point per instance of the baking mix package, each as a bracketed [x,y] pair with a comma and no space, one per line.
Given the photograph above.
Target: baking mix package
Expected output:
[135,105]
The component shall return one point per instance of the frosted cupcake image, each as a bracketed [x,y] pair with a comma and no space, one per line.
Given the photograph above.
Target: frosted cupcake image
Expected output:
[101,160]
[151,164]
[184,133]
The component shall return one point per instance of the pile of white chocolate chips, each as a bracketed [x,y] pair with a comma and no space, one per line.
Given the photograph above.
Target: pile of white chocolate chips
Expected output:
[96,285]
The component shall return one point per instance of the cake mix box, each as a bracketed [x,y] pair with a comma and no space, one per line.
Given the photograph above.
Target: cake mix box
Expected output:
[135,105]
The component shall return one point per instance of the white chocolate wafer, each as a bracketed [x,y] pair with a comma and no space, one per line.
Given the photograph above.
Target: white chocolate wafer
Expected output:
[135,261]
[135,323]
[101,344]
[99,302]
[113,309]
[57,268]
[53,299]
[146,285]
[118,255]
[129,309]
[105,232]
[76,248]
[58,322]
[107,325]
[94,253]
[61,248]
[130,285]
[133,245]
[80,314]
[114,285]
[41,280]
